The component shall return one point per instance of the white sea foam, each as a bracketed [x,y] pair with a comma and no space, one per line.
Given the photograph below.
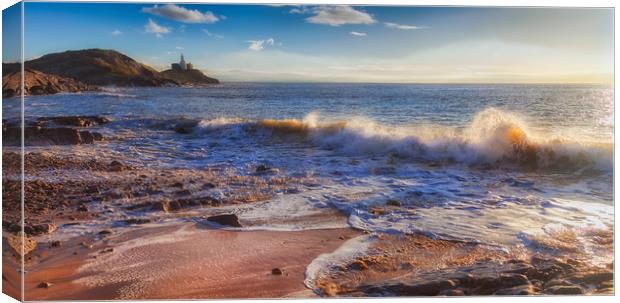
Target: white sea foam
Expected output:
[321,266]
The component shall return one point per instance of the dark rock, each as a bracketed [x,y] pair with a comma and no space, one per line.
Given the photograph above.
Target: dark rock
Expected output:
[39,83]
[55,243]
[163,205]
[185,127]
[276,271]
[107,250]
[393,203]
[45,285]
[262,168]
[137,221]
[592,277]
[565,290]
[105,232]
[227,220]
[117,166]
[208,186]
[38,136]
[82,207]
[77,121]
[520,290]
[183,192]
[45,228]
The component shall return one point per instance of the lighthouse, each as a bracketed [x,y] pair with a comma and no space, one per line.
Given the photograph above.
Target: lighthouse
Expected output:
[182,63]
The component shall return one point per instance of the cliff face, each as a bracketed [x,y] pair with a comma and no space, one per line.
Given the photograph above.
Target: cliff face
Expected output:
[189,77]
[99,67]
[39,83]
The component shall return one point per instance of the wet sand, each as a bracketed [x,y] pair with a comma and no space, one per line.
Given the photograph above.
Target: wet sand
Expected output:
[186,262]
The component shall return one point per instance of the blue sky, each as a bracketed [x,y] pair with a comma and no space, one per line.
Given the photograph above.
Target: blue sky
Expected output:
[338,43]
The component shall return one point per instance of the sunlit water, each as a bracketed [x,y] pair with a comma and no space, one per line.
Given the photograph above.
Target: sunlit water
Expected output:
[498,164]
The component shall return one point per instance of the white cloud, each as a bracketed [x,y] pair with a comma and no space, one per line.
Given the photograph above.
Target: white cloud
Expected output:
[181,14]
[338,15]
[154,28]
[358,34]
[210,34]
[116,33]
[259,45]
[402,26]
[180,47]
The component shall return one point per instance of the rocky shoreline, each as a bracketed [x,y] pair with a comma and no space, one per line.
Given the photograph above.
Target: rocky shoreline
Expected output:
[94,212]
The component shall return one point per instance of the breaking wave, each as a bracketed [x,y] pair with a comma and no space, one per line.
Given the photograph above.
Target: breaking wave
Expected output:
[494,137]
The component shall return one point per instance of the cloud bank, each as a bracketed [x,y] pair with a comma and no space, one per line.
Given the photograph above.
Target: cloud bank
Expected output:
[181,14]
[336,15]
[154,28]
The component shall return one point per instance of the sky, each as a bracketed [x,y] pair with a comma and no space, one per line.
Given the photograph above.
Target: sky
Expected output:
[388,44]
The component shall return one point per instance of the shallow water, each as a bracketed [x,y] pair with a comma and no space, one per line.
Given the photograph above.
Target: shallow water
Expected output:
[498,164]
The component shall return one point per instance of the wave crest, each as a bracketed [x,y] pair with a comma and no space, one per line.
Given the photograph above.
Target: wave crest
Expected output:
[494,137]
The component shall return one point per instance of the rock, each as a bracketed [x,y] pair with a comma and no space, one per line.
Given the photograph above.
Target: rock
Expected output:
[592,277]
[86,245]
[40,136]
[192,77]
[82,208]
[183,192]
[185,127]
[39,229]
[564,290]
[163,205]
[107,250]
[44,285]
[40,83]
[208,186]
[393,203]
[520,290]
[557,282]
[116,166]
[55,243]
[137,221]
[15,242]
[78,121]
[264,169]
[276,271]
[227,220]
[359,265]
[105,232]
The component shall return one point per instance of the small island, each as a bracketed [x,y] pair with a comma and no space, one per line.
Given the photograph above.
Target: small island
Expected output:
[185,74]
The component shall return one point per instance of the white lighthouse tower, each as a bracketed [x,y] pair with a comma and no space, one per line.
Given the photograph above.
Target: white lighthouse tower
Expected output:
[182,63]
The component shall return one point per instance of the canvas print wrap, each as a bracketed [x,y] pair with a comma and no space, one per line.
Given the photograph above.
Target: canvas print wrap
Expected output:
[212,151]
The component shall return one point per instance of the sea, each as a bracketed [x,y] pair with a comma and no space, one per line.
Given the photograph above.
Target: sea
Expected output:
[502,165]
